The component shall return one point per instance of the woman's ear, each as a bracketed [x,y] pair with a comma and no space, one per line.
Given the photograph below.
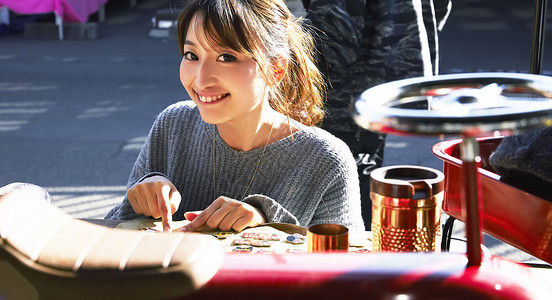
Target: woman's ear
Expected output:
[279,67]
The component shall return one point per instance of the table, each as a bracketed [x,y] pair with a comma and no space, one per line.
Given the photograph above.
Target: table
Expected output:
[369,275]
[359,241]
[65,10]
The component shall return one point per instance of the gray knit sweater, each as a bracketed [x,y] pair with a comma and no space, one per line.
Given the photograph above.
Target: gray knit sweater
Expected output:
[305,180]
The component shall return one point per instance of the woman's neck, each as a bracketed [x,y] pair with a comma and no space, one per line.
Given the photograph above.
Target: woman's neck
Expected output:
[271,127]
[249,134]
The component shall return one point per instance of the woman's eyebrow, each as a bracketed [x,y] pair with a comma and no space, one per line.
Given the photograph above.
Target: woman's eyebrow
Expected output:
[188,42]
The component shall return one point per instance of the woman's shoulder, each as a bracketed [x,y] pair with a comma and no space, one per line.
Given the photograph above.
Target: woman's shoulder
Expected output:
[180,111]
[319,135]
[178,118]
[314,135]
[323,152]
[179,121]
[325,143]
[179,108]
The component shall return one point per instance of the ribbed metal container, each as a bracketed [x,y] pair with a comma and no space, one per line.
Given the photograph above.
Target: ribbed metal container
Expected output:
[406,208]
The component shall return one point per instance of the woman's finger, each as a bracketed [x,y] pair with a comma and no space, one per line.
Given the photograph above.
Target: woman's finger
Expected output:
[151,206]
[140,195]
[240,224]
[175,198]
[227,216]
[131,196]
[164,208]
[191,215]
[219,215]
[201,218]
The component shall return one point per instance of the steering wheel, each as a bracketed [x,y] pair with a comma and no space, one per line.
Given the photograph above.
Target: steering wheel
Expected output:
[474,103]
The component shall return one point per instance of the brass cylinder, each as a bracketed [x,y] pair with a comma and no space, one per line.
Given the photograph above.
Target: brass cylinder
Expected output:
[327,238]
[406,208]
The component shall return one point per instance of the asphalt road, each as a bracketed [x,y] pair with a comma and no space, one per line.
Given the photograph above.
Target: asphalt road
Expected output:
[74,113]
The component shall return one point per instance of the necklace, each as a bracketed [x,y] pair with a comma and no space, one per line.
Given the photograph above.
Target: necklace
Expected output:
[256,168]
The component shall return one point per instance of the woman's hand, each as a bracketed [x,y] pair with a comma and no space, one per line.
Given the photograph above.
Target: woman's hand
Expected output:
[155,196]
[225,214]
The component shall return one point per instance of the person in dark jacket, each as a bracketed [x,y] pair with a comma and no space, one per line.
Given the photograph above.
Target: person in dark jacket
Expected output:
[365,43]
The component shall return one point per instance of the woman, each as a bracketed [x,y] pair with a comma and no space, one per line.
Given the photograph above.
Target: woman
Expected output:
[244,151]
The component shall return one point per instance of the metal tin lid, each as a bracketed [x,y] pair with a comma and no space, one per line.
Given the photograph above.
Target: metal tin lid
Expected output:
[407,182]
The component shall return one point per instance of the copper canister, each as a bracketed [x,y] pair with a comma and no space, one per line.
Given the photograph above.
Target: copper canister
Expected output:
[406,208]
[327,238]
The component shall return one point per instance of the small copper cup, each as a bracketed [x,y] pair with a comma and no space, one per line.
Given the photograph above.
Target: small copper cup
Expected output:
[327,237]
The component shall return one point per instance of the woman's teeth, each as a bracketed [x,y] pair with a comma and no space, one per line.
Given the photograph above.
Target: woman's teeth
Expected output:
[210,99]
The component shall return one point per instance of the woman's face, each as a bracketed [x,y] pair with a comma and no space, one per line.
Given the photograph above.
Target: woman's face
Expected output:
[227,86]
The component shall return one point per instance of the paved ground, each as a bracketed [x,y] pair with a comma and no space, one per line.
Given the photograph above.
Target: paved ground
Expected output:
[74,113]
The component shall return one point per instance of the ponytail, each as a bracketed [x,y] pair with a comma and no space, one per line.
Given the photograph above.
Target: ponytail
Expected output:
[303,88]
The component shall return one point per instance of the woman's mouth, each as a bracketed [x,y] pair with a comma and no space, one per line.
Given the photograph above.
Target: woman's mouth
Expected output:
[209,99]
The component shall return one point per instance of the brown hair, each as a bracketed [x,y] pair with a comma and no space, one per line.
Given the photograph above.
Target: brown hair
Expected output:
[265,30]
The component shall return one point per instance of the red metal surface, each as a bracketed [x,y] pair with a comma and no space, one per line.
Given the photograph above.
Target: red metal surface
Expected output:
[472,198]
[512,215]
[371,276]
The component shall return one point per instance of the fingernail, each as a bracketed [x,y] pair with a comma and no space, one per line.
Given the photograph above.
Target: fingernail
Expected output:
[190,216]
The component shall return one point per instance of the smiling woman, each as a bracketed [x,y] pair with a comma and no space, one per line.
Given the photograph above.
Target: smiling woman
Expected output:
[245,149]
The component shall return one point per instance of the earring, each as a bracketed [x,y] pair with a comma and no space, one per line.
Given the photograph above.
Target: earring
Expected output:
[278,68]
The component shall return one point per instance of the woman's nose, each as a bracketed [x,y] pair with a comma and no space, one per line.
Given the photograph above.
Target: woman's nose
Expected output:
[205,75]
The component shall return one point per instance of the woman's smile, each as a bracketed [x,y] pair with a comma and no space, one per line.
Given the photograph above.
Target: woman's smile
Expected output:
[211,98]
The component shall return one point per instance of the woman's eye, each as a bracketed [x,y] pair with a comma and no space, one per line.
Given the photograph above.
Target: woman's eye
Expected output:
[190,55]
[227,57]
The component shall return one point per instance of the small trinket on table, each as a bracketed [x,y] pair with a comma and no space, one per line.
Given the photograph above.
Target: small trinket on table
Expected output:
[296,239]
[242,249]
[221,235]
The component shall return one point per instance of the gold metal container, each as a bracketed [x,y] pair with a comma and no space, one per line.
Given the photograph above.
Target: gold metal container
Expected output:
[327,238]
[406,208]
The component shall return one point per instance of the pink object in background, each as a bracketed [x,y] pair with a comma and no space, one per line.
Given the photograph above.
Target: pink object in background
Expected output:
[75,11]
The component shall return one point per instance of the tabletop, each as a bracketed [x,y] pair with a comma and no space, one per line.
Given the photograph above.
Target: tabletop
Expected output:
[271,238]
